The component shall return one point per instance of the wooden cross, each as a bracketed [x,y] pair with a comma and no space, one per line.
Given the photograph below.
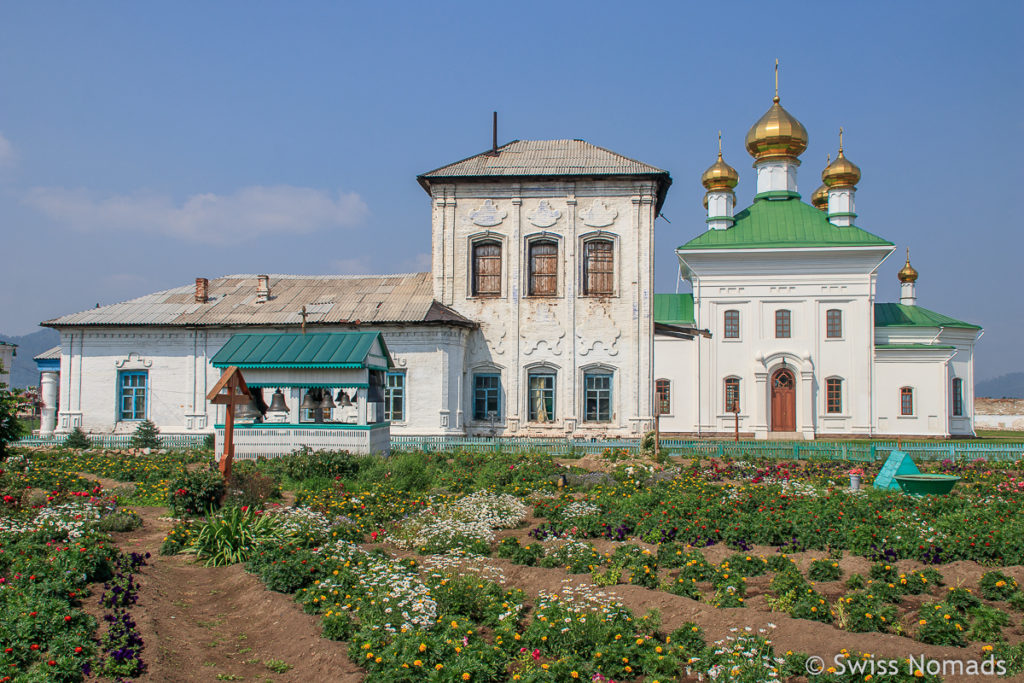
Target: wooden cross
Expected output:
[235,392]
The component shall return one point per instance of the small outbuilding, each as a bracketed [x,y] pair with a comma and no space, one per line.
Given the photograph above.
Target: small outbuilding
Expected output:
[324,391]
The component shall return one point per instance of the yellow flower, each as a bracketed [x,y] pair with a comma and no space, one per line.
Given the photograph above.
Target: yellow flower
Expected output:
[417,663]
[465,676]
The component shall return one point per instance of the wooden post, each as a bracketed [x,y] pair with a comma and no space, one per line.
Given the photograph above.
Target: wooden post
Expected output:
[736,414]
[235,393]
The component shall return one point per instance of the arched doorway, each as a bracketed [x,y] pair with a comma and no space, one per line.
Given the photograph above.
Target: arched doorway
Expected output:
[783,401]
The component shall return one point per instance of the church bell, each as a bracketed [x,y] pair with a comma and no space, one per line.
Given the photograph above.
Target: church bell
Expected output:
[308,402]
[277,404]
[343,400]
[327,403]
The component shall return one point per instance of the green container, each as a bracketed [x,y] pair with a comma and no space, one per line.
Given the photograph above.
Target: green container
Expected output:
[927,484]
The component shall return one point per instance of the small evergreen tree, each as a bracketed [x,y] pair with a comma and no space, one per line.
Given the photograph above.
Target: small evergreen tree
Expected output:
[77,439]
[10,426]
[146,435]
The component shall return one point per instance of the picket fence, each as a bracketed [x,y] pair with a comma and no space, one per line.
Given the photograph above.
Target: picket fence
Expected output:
[957,451]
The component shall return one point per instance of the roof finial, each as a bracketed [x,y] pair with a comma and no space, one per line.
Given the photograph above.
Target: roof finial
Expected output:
[719,144]
[776,99]
[908,254]
[840,139]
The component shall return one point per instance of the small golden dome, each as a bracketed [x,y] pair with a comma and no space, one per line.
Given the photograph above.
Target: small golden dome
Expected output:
[776,135]
[720,176]
[819,200]
[841,173]
[907,272]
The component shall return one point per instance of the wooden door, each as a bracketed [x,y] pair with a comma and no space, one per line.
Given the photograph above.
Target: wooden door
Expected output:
[783,401]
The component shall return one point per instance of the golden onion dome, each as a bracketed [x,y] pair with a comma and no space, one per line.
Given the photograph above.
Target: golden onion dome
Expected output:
[720,176]
[776,135]
[907,272]
[841,173]
[819,199]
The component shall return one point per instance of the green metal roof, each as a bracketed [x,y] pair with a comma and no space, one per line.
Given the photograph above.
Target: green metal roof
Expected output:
[320,350]
[775,223]
[899,315]
[913,347]
[673,309]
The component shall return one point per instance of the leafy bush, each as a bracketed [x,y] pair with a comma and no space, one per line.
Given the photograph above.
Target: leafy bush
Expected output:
[961,598]
[121,520]
[77,440]
[811,605]
[250,488]
[146,435]
[230,537]
[178,538]
[996,585]
[195,493]
[824,570]
[987,624]
[511,549]
[941,624]
[290,572]
[10,425]
[864,613]
[855,582]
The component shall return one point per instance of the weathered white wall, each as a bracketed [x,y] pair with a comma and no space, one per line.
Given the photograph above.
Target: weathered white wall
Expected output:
[6,359]
[180,375]
[676,361]
[570,332]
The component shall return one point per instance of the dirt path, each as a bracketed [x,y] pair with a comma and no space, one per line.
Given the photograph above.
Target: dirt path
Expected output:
[209,624]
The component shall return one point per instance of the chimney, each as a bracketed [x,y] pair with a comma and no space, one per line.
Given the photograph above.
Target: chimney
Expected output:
[202,290]
[262,288]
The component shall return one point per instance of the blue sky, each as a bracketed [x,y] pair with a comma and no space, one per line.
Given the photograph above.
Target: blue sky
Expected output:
[143,144]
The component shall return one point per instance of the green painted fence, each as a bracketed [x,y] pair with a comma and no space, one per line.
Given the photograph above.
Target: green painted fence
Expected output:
[174,441]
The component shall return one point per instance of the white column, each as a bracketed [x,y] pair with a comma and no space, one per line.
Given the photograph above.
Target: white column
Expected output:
[777,175]
[841,206]
[48,394]
[720,209]
[908,293]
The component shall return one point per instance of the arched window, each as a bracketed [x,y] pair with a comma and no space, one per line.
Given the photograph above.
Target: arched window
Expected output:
[663,396]
[834,323]
[597,396]
[732,395]
[783,324]
[540,396]
[906,401]
[599,267]
[487,268]
[833,395]
[958,397]
[543,268]
[731,329]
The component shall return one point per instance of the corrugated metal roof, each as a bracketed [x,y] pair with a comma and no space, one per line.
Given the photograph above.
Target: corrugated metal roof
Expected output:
[913,347]
[315,350]
[673,309]
[49,354]
[775,223]
[545,157]
[901,315]
[329,299]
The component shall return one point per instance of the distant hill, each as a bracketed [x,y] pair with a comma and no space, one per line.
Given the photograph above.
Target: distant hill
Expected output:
[24,373]
[1010,385]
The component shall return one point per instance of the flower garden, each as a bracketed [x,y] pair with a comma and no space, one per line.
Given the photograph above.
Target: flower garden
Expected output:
[492,566]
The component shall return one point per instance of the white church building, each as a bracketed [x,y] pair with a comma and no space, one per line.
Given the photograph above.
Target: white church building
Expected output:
[539,318]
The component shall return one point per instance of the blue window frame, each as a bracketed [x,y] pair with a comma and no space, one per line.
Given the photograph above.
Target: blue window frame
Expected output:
[133,390]
[541,398]
[597,397]
[394,397]
[486,396]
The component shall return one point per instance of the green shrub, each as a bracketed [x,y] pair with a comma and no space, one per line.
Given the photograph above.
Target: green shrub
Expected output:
[178,538]
[683,586]
[730,595]
[996,585]
[940,623]
[855,582]
[250,488]
[510,549]
[146,435]
[961,598]
[195,493]
[747,565]
[811,605]
[864,613]
[230,537]
[122,520]
[987,624]
[778,563]
[337,626]
[291,572]
[883,571]
[824,570]
[77,440]
[1017,601]
[644,574]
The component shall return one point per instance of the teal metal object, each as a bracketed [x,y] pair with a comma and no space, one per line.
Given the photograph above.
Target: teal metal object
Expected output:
[927,484]
[317,350]
[898,463]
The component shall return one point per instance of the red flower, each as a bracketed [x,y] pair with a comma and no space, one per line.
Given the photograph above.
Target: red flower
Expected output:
[67,617]
[33,646]
[78,650]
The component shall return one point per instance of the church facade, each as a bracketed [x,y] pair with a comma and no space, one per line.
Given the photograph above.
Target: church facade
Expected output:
[539,317]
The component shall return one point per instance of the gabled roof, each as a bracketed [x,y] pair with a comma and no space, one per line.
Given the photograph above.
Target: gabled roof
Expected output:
[673,309]
[49,354]
[900,315]
[783,223]
[329,299]
[547,158]
[316,350]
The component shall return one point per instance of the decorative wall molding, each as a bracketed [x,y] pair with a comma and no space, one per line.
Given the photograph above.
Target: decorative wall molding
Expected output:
[599,214]
[488,215]
[544,216]
[547,333]
[588,342]
[134,361]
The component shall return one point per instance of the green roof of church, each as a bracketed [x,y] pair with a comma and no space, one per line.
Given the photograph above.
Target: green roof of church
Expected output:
[783,223]
[318,350]
[673,309]
[900,315]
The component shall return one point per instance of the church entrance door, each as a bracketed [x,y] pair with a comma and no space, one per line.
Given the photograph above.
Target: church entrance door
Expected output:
[783,401]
